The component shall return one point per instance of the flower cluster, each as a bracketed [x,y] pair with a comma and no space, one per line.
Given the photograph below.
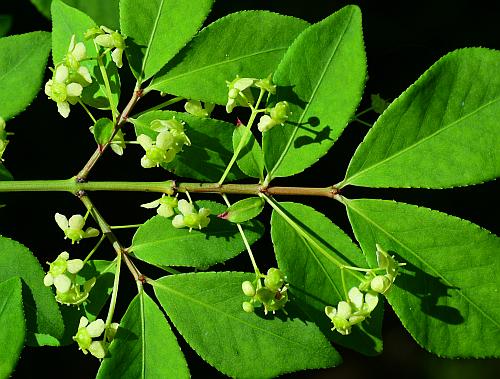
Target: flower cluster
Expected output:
[88,331]
[169,141]
[73,228]
[62,275]
[363,299]
[239,93]
[69,78]
[195,108]
[109,39]
[272,295]
[3,138]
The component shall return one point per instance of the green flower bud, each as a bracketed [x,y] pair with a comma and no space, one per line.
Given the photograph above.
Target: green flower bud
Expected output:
[266,84]
[280,112]
[248,288]
[248,307]
[265,295]
[274,279]
[380,283]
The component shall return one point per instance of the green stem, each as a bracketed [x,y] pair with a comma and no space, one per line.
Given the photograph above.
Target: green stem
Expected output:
[94,249]
[114,296]
[159,106]
[243,139]
[109,94]
[73,186]
[87,110]
[125,226]
[245,241]
[307,237]
[363,112]
[363,122]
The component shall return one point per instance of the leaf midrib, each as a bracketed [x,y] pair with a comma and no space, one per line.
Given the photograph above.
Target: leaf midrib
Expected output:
[349,180]
[311,98]
[435,271]
[220,63]
[150,42]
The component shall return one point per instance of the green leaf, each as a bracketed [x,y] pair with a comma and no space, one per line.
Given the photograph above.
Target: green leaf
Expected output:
[157,29]
[243,210]
[314,275]
[13,325]
[22,64]
[5,24]
[248,44]
[4,173]
[66,22]
[446,295]
[441,132]
[206,309]
[144,346]
[322,77]
[40,307]
[103,130]
[251,158]
[104,271]
[104,12]
[210,150]
[159,243]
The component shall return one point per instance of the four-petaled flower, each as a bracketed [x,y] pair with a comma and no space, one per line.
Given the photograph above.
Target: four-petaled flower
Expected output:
[278,115]
[86,332]
[111,39]
[189,217]
[195,108]
[239,93]
[73,228]
[57,274]
[158,151]
[165,204]
[62,92]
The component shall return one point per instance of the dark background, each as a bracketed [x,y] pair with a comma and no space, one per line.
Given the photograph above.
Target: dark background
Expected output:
[402,39]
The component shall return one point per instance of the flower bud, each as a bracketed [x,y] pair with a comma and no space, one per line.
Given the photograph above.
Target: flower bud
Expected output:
[274,279]
[380,283]
[248,307]
[280,112]
[248,288]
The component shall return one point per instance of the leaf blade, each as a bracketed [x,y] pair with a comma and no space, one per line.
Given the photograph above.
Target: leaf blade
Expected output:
[157,30]
[158,242]
[314,280]
[441,132]
[329,54]
[451,272]
[41,310]
[12,317]
[258,347]
[22,64]
[144,321]
[223,50]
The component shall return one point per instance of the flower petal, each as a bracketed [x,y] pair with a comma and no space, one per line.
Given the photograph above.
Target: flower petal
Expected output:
[83,322]
[185,207]
[165,211]
[62,283]
[178,222]
[61,74]
[63,108]
[61,221]
[165,140]
[344,310]
[75,265]
[145,141]
[151,205]
[48,280]
[96,328]
[96,348]
[147,163]
[116,55]
[91,232]
[85,73]
[74,89]
[356,297]
[76,222]
[79,52]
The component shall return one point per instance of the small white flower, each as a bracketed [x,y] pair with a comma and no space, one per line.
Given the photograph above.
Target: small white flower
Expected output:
[165,205]
[86,332]
[63,94]
[239,93]
[57,273]
[189,217]
[73,228]
[112,40]
[195,108]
